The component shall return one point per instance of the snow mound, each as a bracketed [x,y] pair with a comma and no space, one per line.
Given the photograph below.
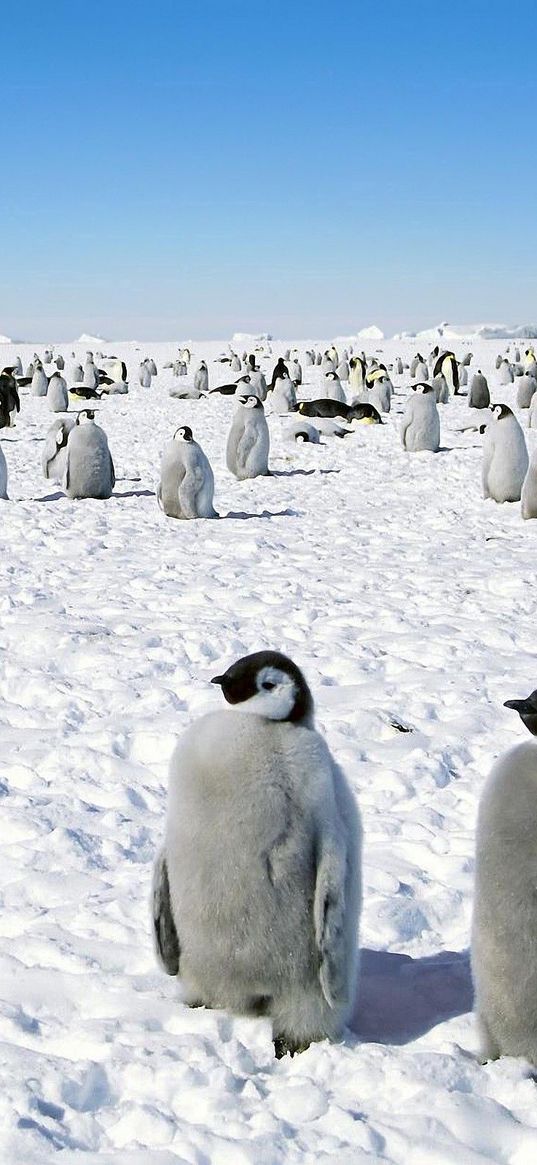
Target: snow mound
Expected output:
[5,340]
[87,338]
[371,333]
[250,338]
[472,332]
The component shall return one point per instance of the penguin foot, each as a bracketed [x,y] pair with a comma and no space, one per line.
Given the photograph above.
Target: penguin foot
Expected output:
[284,1046]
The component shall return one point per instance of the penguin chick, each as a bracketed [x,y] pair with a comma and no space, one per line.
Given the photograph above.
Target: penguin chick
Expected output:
[504,925]
[256,894]
[528,496]
[505,456]
[248,440]
[186,488]
[420,427]
[89,470]
[54,456]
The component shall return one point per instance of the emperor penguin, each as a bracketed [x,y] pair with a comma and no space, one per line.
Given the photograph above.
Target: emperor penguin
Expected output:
[186,488]
[201,377]
[327,364]
[57,398]
[441,390]
[75,374]
[420,427]
[54,456]
[381,394]
[144,375]
[342,370]
[3,476]
[295,371]
[280,369]
[505,373]
[528,496]
[463,375]
[258,384]
[47,358]
[526,388]
[357,370]
[248,441]
[479,395]
[10,403]
[257,889]
[89,469]
[308,359]
[60,363]
[302,433]
[421,371]
[532,413]
[283,398]
[333,387]
[529,357]
[466,360]
[505,457]
[17,367]
[152,366]
[399,370]
[90,379]
[39,381]
[318,358]
[504,925]
[446,363]
[235,364]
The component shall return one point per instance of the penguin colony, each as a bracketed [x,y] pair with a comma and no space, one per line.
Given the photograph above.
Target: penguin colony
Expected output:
[265,840]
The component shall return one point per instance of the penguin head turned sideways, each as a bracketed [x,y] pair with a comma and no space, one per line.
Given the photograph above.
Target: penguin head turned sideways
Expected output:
[84,416]
[268,684]
[501,411]
[422,388]
[184,433]
[250,402]
[527,710]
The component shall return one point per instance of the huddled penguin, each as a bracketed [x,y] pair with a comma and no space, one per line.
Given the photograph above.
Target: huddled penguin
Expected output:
[357,370]
[89,470]
[57,397]
[441,390]
[505,457]
[420,427]
[302,433]
[526,388]
[479,395]
[39,381]
[186,488]
[528,497]
[504,927]
[446,363]
[54,457]
[283,399]
[334,388]
[505,373]
[257,890]
[201,377]
[248,441]
[10,403]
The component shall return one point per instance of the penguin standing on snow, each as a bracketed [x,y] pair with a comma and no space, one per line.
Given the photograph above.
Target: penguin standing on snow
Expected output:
[526,387]
[528,497]
[10,403]
[186,488]
[505,457]
[505,373]
[441,390]
[280,370]
[334,388]
[54,457]
[3,476]
[283,398]
[479,395]
[57,398]
[89,469]
[39,380]
[248,441]
[446,363]
[357,370]
[504,927]
[256,893]
[420,427]
[201,377]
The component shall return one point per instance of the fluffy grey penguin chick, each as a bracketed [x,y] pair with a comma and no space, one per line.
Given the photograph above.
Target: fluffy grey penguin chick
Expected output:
[248,440]
[504,929]
[186,488]
[54,457]
[257,891]
[89,470]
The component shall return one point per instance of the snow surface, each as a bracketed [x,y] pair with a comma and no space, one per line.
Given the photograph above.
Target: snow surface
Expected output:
[409,602]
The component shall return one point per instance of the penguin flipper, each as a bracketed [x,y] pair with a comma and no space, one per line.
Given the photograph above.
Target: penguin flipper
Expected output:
[165,934]
[112,474]
[189,489]
[329,917]
[245,446]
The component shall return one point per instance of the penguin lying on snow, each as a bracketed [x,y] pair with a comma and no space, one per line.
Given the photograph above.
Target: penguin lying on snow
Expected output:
[325,407]
[256,893]
[504,928]
[186,488]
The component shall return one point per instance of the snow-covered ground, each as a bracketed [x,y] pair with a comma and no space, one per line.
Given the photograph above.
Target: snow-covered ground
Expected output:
[407,600]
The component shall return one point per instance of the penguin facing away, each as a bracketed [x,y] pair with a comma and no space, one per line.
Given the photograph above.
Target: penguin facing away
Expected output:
[186,488]
[420,427]
[89,470]
[248,441]
[57,398]
[479,395]
[256,893]
[505,457]
[504,925]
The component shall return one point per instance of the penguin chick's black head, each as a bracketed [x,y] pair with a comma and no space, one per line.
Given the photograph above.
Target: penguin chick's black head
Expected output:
[85,415]
[501,411]
[269,684]
[527,710]
[183,434]
[250,402]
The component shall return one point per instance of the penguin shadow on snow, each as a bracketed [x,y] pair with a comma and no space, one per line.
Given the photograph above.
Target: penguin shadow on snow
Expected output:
[299,472]
[243,516]
[401,998]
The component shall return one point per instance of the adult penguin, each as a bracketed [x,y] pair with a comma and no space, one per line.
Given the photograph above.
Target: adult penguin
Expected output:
[420,427]
[324,407]
[446,363]
[280,370]
[479,395]
[10,403]
[374,373]
[201,377]
[39,381]
[57,398]
[54,456]
[505,457]
[186,488]
[504,924]
[528,497]
[248,441]
[526,388]
[257,890]
[89,470]
[357,371]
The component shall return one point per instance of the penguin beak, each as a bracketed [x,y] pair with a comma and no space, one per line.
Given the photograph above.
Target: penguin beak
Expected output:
[519,705]
[217,680]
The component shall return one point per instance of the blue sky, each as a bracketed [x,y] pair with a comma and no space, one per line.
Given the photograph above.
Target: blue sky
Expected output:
[188,170]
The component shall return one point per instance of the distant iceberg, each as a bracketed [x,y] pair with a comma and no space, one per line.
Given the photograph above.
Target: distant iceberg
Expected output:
[87,338]
[250,338]
[5,340]
[371,333]
[446,331]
